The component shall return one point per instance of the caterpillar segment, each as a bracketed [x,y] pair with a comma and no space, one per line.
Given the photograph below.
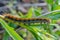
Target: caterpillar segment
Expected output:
[14,19]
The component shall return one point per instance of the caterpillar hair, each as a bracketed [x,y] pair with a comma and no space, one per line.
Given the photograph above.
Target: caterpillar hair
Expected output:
[26,20]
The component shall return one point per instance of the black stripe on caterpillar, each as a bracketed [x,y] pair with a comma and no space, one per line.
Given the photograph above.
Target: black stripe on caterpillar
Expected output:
[27,20]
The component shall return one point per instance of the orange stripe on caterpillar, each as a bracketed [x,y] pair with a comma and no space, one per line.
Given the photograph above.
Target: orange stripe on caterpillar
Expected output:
[14,18]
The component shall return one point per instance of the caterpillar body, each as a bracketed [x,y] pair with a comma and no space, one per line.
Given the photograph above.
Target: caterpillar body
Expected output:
[9,17]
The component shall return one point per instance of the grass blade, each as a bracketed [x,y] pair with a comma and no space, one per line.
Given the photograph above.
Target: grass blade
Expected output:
[10,31]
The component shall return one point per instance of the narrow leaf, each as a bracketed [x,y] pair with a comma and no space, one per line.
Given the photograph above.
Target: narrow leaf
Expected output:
[10,30]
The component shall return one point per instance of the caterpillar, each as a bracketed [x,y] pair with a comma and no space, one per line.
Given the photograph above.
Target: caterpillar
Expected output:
[9,17]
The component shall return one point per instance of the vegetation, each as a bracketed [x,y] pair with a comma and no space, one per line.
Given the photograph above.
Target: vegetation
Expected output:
[39,31]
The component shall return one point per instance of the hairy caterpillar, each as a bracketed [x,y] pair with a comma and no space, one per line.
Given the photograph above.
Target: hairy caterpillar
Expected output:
[9,17]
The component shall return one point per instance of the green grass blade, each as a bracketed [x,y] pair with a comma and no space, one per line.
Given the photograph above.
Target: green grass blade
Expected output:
[37,12]
[10,30]
[20,14]
[6,36]
[29,14]
[49,1]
